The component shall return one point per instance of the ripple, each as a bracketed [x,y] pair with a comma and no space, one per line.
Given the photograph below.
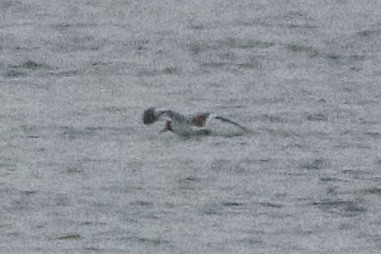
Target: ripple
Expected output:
[373,134]
[72,236]
[314,164]
[142,203]
[29,192]
[270,204]
[373,190]
[232,204]
[299,48]
[317,117]
[154,241]
[332,179]
[342,207]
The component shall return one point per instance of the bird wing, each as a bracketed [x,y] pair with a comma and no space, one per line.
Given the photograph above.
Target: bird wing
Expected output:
[226,120]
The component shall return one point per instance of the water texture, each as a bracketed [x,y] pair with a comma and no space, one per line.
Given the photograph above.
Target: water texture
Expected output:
[80,173]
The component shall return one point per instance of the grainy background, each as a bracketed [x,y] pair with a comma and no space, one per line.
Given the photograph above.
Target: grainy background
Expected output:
[79,173]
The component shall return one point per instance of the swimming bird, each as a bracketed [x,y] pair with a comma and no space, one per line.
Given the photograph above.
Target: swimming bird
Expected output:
[184,125]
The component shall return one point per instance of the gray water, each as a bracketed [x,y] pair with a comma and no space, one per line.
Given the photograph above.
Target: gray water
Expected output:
[80,173]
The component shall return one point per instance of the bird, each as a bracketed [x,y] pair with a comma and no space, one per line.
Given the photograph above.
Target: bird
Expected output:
[185,125]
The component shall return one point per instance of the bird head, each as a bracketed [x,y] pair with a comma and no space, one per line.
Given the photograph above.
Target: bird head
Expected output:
[149,116]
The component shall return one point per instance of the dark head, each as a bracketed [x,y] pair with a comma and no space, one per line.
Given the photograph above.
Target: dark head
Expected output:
[149,116]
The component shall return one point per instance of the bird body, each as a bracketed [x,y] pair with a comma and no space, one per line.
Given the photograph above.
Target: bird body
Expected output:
[184,125]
